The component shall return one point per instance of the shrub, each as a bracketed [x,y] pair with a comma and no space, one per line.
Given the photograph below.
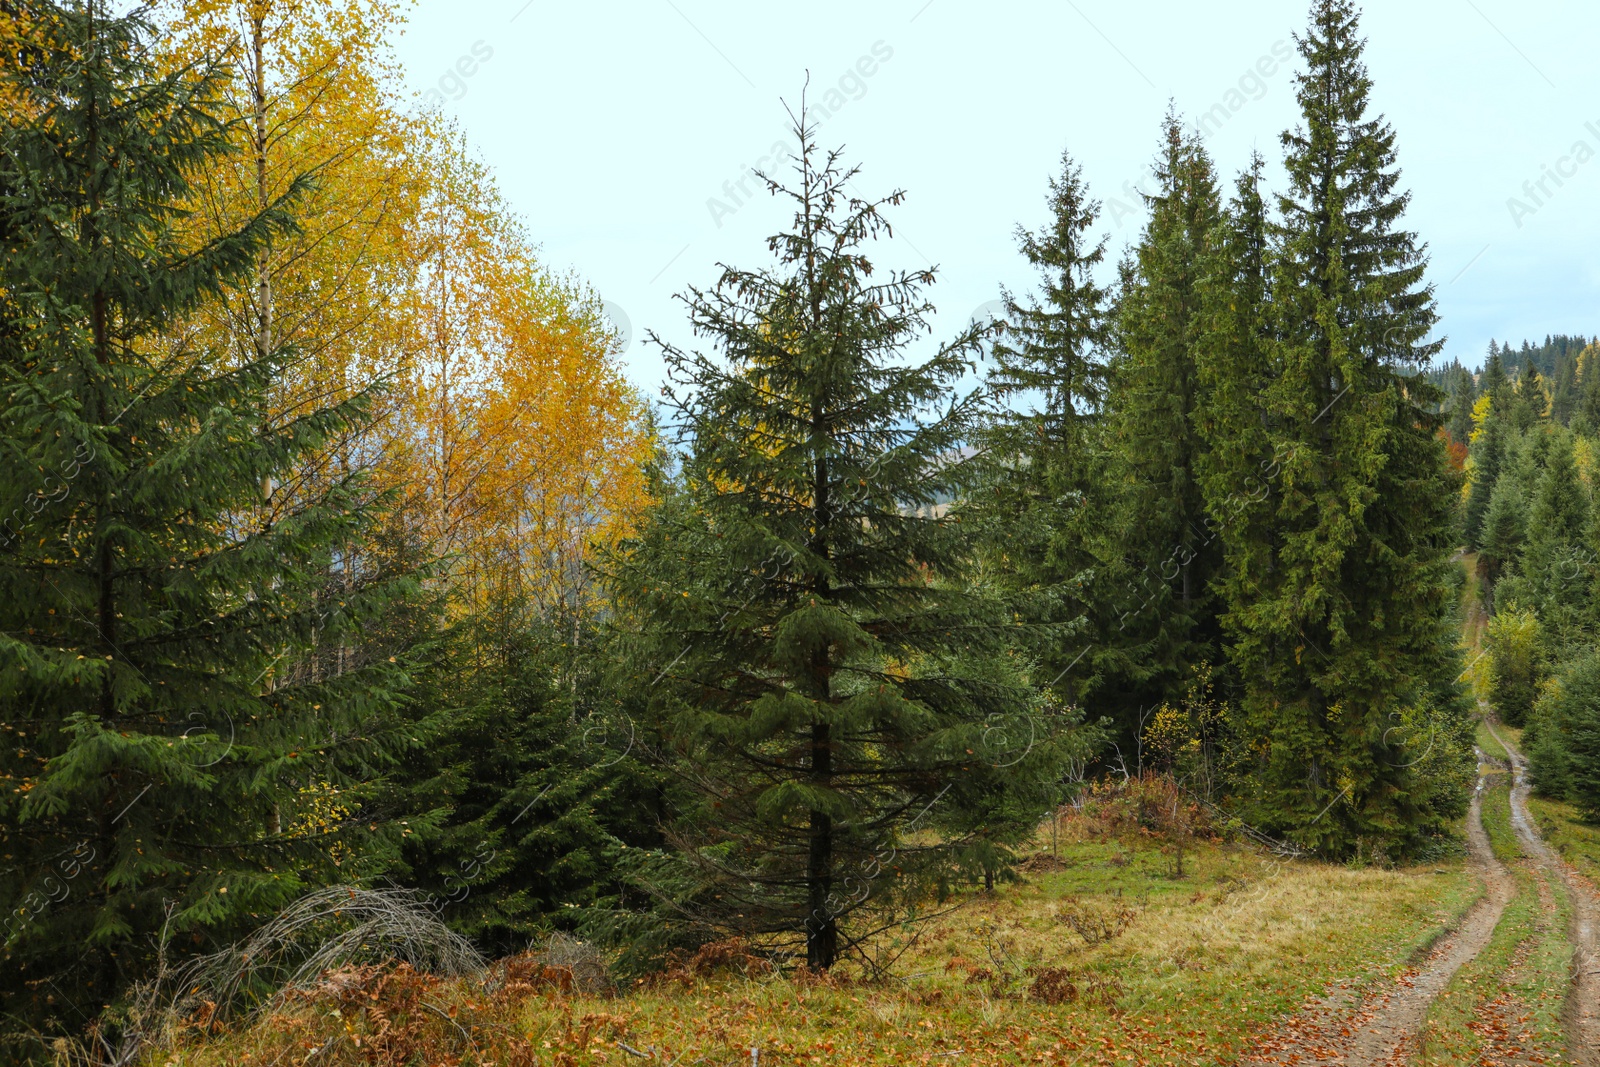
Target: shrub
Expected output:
[1563,737]
[1513,665]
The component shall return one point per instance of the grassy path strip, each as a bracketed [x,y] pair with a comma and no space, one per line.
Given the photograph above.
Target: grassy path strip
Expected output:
[1489,744]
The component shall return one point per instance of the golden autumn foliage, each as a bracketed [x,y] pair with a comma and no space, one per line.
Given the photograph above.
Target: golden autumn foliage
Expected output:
[20,44]
[504,426]
[523,442]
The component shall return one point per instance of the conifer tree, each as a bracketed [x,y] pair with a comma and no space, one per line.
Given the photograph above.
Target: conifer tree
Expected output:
[1589,387]
[1041,500]
[1545,577]
[1530,387]
[1487,454]
[1528,399]
[1234,366]
[1496,383]
[828,676]
[1503,529]
[1463,394]
[189,707]
[1574,718]
[535,781]
[1562,737]
[1564,390]
[1346,629]
[1152,425]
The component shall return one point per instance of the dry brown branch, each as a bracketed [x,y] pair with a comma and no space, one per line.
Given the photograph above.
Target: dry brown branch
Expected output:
[333,927]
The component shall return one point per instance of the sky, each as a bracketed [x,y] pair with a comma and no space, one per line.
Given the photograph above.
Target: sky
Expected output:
[619,133]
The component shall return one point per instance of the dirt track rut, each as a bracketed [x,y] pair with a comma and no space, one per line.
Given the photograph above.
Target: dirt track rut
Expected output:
[1384,1027]
[1583,1004]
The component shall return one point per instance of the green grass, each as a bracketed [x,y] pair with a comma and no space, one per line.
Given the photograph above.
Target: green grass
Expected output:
[1497,817]
[1505,1004]
[1565,829]
[1486,741]
[1473,620]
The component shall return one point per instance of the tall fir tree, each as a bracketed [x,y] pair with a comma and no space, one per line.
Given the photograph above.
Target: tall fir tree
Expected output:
[1487,456]
[1152,428]
[1040,503]
[1530,393]
[1239,467]
[827,674]
[1345,630]
[1463,394]
[1495,382]
[1504,529]
[190,709]
[1588,404]
[1563,736]
[1564,389]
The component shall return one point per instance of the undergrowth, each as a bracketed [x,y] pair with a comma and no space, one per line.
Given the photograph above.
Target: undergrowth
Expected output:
[1103,953]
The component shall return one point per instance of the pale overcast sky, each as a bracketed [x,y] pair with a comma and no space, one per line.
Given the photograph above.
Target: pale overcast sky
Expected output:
[619,131]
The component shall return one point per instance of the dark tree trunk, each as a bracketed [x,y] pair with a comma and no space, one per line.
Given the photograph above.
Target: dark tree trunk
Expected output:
[822,931]
[822,928]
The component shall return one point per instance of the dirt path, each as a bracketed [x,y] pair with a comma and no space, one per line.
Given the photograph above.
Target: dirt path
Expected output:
[1583,1003]
[1382,1028]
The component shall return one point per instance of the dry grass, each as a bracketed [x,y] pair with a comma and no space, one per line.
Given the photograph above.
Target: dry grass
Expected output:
[1104,957]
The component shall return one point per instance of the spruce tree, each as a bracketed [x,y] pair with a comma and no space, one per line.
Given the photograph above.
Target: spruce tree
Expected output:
[1347,626]
[537,771]
[1495,383]
[1546,577]
[1528,401]
[1577,717]
[1240,465]
[1564,390]
[828,676]
[189,708]
[1153,427]
[1562,737]
[1503,529]
[1041,502]
[1589,388]
[1463,395]
[1487,456]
